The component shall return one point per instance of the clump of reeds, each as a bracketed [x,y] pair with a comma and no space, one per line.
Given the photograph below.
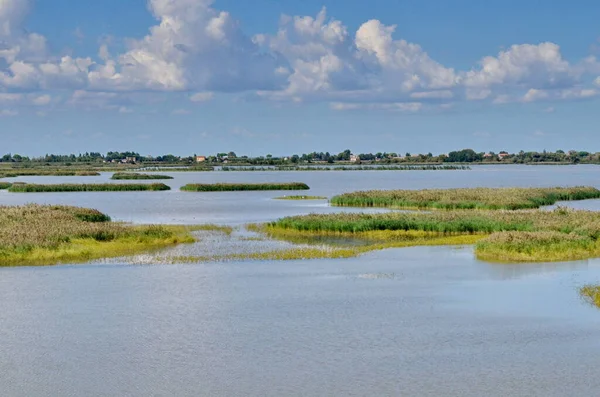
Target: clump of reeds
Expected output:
[301,198]
[226,187]
[37,172]
[472,198]
[591,293]
[47,234]
[104,187]
[136,176]
[536,246]
[5,185]
[504,235]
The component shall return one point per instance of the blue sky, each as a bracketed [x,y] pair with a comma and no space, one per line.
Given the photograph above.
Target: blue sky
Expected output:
[283,76]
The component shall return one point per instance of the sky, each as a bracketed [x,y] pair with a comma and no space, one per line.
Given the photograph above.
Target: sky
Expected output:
[295,76]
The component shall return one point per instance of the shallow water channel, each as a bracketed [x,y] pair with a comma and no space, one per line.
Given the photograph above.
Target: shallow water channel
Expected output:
[423,321]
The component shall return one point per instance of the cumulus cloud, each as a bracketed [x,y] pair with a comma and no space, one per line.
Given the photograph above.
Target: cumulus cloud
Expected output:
[199,50]
[202,96]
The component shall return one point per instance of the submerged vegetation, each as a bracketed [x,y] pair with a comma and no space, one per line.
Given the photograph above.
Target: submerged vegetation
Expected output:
[48,234]
[226,187]
[104,187]
[591,293]
[136,176]
[475,198]
[301,198]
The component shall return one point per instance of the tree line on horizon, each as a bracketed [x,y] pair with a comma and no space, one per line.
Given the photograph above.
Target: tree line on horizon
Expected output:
[459,156]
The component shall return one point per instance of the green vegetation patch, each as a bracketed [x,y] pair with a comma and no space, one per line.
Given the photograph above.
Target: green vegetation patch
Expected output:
[474,198]
[5,185]
[301,198]
[136,176]
[49,234]
[500,236]
[104,187]
[226,187]
[37,172]
[591,293]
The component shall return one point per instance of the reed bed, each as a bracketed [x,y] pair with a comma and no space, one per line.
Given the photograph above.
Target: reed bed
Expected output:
[350,168]
[5,185]
[501,236]
[301,198]
[104,187]
[591,293]
[472,198]
[227,187]
[136,176]
[49,234]
[36,172]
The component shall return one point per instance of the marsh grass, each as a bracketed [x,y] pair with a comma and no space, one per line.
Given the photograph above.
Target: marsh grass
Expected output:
[349,168]
[104,187]
[500,236]
[472,198]
[49,234]
[136,176]
[301,198]
[225,187]
[591,293]
[12,173]
[5,185]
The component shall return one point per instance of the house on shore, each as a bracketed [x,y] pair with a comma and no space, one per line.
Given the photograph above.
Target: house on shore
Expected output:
[200,159]
[354,158]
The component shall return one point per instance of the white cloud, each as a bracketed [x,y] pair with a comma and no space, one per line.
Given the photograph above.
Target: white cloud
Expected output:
[199,50]
[404,107]
[444,94]
[125,110]
[539,66]
[8,113]
[535,95]
[202,97]
[42,100]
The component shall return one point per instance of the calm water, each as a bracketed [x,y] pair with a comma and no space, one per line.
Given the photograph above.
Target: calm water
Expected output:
[424,321]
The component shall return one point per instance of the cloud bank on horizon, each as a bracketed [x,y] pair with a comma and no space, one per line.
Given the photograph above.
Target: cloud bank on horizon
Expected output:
[200,51]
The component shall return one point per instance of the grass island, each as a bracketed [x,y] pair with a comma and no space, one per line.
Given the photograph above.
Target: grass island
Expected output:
[229,187]
[71,187]
[49,234]
[137,176]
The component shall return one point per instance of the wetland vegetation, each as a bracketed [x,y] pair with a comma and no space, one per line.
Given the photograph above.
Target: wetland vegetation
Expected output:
[227,187]
[501,235]
[472,198]
[71,187]
[301,198]
[591,293]
[137,176]
[50,234]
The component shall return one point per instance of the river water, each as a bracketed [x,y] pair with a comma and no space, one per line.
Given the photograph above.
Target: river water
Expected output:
[423,321]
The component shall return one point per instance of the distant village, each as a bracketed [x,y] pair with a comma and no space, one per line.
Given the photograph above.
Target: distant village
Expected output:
[344,157]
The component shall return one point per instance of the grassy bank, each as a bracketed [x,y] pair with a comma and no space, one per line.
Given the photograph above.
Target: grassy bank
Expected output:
[500,236]
[301,198]
[136,176]
[591,293]
[349,168]
[104,187]
[227,187]
[45,235]
[475,198]
[37,172]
